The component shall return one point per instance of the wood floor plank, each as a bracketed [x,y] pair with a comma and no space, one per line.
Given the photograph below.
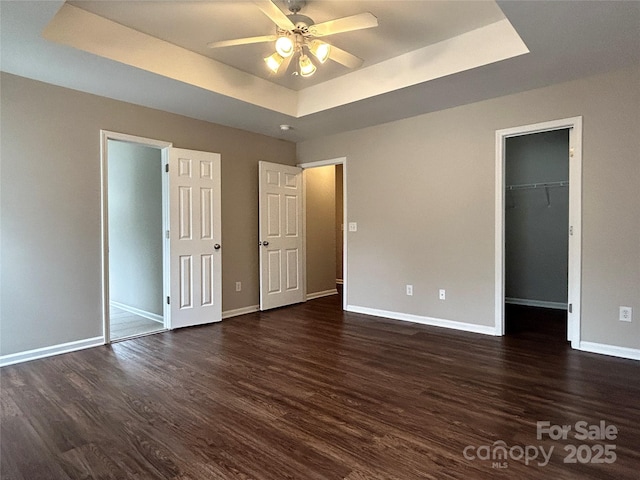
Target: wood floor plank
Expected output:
[311,392]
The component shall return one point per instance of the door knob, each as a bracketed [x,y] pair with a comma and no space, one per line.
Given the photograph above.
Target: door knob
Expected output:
[265,243]
[216,246]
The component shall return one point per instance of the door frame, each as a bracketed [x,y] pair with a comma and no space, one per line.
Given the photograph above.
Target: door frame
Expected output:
[105,136]
[574,299]
[323,163]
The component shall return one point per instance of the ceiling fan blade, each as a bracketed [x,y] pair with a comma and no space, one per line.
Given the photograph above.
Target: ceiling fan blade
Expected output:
[345,24]
[276,15]
[242,41]
[344,58]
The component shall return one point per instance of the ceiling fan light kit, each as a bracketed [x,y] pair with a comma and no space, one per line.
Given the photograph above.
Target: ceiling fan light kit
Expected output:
[285,46]
[320,50]
[307,68]
[295,32]
[274,61]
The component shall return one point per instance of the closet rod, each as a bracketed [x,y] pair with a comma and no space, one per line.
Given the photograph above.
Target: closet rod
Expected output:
[537,185]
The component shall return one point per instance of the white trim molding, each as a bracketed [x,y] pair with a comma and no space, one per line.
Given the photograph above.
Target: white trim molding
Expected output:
[611,350]
[536,303]
[434,322]
[325,293]
[323,163]
[240,311]
[43,352]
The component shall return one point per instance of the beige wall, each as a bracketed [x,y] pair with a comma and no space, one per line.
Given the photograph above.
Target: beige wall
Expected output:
[320,204]
[50,200]
[422,192]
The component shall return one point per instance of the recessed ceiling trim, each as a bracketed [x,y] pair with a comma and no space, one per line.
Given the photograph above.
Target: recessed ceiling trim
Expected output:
[92,33]
[492,43]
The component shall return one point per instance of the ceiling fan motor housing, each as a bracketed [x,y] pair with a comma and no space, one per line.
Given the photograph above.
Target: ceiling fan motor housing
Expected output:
[301,22]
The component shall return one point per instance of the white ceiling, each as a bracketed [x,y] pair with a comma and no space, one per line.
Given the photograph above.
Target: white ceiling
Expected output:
[565,40]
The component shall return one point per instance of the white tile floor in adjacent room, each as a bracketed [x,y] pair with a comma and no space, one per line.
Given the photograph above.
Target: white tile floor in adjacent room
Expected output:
[125,324]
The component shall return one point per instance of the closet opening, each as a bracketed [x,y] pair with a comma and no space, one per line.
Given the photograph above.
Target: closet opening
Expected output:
[536,234]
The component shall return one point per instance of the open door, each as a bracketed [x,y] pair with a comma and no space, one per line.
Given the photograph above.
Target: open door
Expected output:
[281,238]
[196,258]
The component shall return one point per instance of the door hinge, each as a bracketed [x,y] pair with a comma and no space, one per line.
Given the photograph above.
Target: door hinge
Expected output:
[167,234]
[166,168]
[168,300]
[571,152]
[571,308]
[571,230]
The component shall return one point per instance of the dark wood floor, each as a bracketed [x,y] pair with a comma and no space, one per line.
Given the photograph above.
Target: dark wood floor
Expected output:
[310,392]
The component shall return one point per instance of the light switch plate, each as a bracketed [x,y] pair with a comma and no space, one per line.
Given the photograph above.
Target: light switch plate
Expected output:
[353,227]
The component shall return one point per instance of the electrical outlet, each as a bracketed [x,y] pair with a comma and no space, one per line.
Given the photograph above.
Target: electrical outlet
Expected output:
[625,314]
[442,294]
[238,286]
[409,290]
[353,227]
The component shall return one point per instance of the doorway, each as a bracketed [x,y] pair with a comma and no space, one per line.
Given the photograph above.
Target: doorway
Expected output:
[135,240]
[548,192]
[336,210]
[283,234]
[135,209]
[536,233]
[323,193]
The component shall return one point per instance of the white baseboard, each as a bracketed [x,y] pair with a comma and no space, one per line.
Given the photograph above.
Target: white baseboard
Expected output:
[136,311]
[50,351]
[612,350]
[434,322]
[240,311]
[325,293]
[339,281]
[536,303]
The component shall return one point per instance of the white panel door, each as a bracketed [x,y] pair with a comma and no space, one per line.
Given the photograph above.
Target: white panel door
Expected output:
[281,236]
[195,238]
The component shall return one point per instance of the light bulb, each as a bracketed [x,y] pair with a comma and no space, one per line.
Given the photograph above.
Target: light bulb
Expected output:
[284,46]
[320,50]
[273,62]
[307,68]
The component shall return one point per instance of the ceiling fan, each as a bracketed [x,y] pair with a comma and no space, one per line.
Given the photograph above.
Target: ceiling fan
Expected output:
[297,34]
